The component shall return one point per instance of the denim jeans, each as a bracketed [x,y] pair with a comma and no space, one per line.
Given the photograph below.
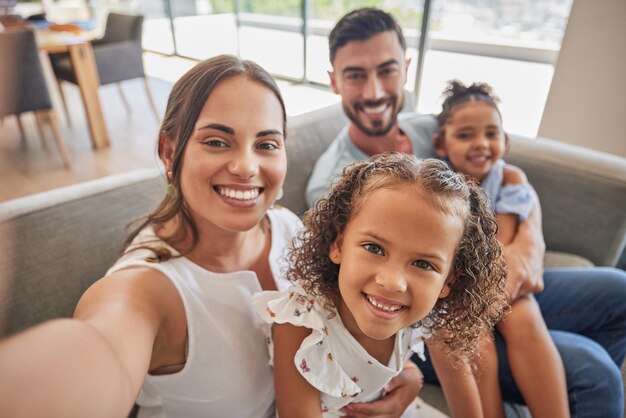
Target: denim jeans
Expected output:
[585,311]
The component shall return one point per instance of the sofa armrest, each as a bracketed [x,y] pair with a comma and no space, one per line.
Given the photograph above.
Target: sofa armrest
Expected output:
[582,194]
[57,243]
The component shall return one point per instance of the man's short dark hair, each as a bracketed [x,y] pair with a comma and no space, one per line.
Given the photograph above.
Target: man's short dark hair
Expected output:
[360,25]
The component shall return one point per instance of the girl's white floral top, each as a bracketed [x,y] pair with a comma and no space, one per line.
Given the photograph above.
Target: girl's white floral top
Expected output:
[330,359]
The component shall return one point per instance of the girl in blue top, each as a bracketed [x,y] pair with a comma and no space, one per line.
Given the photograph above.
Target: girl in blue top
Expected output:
[471,138]
[399,252]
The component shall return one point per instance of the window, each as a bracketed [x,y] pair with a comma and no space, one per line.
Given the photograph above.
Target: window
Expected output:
[510,44]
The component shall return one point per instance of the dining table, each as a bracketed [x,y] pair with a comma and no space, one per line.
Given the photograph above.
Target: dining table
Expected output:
[80,51]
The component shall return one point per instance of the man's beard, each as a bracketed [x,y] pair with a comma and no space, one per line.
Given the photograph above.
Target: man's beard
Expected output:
[378,128]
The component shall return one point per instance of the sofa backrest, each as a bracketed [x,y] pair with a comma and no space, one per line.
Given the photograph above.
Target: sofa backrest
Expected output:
[582,194]
[56,244]
[308,136]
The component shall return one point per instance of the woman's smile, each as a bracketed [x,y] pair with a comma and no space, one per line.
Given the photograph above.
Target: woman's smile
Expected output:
[239,195]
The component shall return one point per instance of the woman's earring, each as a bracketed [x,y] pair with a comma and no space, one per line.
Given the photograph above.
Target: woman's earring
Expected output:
[278,196]
[170,190]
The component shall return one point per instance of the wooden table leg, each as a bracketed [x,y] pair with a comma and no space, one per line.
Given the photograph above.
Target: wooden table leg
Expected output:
[53,87]
[84,65]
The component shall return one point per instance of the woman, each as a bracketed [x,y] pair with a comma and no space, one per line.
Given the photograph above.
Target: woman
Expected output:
[176,306]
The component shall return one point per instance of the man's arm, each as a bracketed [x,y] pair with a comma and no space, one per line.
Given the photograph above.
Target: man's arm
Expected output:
[524,256]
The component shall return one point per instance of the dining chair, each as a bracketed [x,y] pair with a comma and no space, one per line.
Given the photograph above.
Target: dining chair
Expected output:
[118,55]
[23,86]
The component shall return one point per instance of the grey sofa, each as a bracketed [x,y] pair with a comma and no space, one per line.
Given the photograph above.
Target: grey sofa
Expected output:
[55,244]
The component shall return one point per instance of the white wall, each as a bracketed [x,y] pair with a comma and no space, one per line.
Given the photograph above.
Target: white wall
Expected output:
[586,104]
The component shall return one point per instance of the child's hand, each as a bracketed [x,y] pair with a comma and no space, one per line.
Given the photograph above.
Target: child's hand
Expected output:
[398,394]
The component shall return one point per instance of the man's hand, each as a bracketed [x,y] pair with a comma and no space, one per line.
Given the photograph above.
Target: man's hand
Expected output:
[524,256]
[399,393]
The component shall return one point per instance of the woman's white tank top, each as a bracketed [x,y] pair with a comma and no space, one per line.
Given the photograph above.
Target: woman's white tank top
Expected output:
[227,372]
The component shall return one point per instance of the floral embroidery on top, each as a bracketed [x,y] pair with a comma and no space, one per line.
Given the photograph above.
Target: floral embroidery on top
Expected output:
[308,303]
[298,312]
[304,300]
[350,395]
[304,367]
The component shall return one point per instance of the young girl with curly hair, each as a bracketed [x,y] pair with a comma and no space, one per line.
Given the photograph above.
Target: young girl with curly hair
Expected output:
[400,252]
[471,138]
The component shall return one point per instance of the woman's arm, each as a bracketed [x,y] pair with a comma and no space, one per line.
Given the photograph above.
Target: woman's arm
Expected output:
[295,397]
[458,384]
[93,365]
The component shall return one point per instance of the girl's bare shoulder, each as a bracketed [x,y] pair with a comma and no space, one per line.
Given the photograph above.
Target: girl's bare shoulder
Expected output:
[514,175]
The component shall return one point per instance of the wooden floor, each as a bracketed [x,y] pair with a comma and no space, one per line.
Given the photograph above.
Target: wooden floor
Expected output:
[27,167]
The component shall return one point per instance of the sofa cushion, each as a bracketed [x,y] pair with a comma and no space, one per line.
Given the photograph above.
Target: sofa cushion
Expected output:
[557,259]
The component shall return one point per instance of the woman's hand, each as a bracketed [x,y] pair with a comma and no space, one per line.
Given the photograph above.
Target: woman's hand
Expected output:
[398,394]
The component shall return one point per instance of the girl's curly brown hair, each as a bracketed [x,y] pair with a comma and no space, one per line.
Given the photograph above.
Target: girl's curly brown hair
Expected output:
[477,298]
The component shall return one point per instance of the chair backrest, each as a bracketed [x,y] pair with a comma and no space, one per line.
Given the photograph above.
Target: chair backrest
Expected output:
[22,84]
[119,53]
[122,27]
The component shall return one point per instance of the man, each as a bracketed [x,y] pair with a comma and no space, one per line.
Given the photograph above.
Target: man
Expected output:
[584,309]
